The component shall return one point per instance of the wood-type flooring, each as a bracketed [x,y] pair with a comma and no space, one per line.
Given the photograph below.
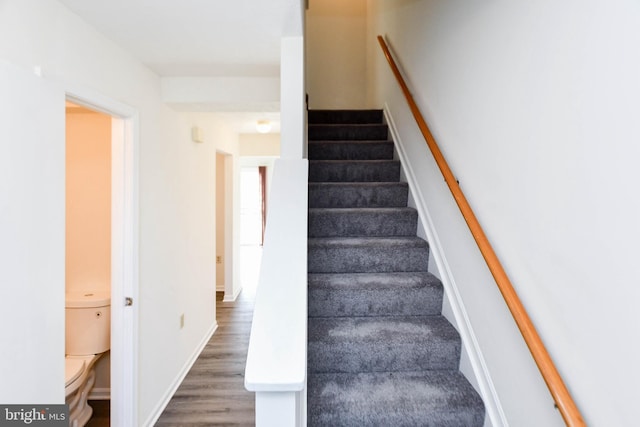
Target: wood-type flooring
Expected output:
[213,393]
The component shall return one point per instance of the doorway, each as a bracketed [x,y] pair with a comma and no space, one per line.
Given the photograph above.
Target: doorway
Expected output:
[88,234]
[253,216]
[251,206]
[225,235]
[119,121]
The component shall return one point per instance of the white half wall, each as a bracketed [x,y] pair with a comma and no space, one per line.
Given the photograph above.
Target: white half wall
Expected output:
[535,106]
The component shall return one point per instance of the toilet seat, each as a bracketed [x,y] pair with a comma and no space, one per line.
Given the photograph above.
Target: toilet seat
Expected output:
[76,370]
[80,377]
[73,368]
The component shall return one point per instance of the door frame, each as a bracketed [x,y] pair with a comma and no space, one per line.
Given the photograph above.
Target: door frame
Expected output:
[124,251]
[231,291]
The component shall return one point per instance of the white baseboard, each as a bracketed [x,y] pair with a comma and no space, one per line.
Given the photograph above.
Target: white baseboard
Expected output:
[157,411]
[232,298]
[482,380]
[100,393]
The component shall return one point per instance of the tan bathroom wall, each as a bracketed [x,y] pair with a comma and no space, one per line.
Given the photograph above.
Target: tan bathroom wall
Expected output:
[88,214]
[88,200]
[102,388]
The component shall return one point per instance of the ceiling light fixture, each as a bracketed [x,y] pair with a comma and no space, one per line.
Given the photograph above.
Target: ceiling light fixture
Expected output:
[263,126]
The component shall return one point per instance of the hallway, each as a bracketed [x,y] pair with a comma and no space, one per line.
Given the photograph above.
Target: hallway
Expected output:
[213,391]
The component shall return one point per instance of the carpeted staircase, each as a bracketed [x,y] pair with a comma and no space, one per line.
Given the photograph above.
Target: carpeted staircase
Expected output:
[380,353]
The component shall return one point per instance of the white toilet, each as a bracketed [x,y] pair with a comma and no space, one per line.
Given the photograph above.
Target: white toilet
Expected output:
[87,338]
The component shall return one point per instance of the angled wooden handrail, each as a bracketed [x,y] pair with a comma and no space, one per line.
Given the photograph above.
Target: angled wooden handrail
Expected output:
[564,401]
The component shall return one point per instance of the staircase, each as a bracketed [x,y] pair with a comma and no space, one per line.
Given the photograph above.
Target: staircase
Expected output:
[379,353]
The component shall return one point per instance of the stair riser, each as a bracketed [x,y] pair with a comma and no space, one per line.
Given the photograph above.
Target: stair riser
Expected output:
[333,223]
[364,171]
[344,116]
[384,302]
[351,151]
[357,196]
[367,259]
[363,132]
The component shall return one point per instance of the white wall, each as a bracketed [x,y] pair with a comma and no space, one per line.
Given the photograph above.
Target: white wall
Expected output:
[32,244]
[221,136]
[336,54]
[192,289]
[259,145]
[293,127]
[176,205]
[222,93]
[535,106]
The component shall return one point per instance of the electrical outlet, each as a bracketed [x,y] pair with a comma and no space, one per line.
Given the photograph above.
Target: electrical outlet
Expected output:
[219,259]
[182,321]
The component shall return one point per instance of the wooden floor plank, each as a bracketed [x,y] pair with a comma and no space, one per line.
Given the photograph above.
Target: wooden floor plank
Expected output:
[213,393]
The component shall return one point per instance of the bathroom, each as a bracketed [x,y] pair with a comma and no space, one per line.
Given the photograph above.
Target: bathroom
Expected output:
[88,264]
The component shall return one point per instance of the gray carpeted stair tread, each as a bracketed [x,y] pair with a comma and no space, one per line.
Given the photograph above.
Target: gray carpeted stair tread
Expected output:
[350,150]
[340,132]
[362,255]
[378,344]
[344,116]
[345,222]
[426,398]
[354,171]
[357,194]
[374,294]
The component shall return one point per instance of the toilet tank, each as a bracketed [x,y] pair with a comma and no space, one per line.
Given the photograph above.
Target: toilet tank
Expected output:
[87,322]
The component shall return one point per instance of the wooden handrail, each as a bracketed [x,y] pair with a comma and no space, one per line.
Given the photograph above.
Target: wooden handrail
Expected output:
[564,401]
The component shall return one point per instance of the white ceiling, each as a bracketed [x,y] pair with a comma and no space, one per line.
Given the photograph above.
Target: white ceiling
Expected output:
[245,122]
[195,37]
[192,38]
